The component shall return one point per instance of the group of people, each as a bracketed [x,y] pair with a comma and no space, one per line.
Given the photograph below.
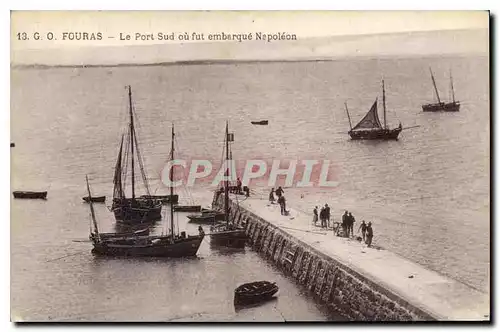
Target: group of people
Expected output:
[324,216]
[281,199]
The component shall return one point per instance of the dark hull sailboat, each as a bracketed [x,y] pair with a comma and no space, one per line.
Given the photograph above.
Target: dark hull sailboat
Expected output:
[227,233]
[30,194]
[133,210]
[161,246]
[172,245]
[440,106]
[370,128]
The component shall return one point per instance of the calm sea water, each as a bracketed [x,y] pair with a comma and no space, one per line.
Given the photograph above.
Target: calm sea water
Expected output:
[427,194]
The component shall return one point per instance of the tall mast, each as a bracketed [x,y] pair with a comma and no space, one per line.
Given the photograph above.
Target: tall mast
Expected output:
[383,99]
[226,188]
[131,138]
[172,185]
[435,88]
[452,91]
[348,116]
[92,212]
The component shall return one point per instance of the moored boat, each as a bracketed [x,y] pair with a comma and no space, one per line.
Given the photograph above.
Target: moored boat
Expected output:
[96,199]
[30,194]
[255,292]
[227,233]
[133,210]
[165,199]
[440,106]
[171,245]
[206,217]
[187,208]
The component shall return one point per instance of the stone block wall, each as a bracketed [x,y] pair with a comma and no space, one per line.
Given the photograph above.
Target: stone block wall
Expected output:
[345,291]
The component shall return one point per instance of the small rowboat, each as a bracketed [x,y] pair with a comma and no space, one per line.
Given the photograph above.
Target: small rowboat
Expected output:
[165,199]
[187,208]
[262,123]
[30,194]
[95,199]
[254,292]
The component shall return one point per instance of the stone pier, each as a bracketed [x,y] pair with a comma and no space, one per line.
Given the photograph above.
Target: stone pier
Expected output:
[359,283]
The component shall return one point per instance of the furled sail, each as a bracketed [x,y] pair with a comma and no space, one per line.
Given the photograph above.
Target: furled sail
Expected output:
[117,181]
[371,120]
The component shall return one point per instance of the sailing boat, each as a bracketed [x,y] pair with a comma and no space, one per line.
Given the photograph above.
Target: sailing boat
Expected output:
[171,245]
[370,128]
[135,209]
[440,106]
[227,233]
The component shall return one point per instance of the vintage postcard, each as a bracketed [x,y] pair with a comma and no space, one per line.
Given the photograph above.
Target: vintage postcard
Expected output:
[246,166]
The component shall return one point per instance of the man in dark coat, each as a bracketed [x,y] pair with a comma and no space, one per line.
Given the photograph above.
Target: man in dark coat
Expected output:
[345,221]
[279,192]
[350,228]
[327,216]
[369,234]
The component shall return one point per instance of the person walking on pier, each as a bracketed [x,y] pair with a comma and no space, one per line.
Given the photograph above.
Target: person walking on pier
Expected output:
[369,234]
[282,203]
[322,216]
[363,227]
[350,229]
[271,196]
[327,216]
[279,192]
[315,215]
[345,221]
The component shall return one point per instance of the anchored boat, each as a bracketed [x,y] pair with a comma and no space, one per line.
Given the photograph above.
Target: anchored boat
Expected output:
[370,128]
[440,106]
[132,210]
[255,292]
[171,245]
[228,233]
[97,199]
[30,194]
[262,122]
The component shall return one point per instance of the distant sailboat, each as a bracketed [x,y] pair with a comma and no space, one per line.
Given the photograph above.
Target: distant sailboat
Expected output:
[440,106]
[370,128]
[135,209]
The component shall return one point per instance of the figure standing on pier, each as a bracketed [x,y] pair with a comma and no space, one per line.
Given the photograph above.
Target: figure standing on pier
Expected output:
[279,192]
[246,190]
[350,229]
[327,216]
[322,216]
[315,215]
[345,220]
[363,227]
[271,196]
[369,234]
[282,203]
